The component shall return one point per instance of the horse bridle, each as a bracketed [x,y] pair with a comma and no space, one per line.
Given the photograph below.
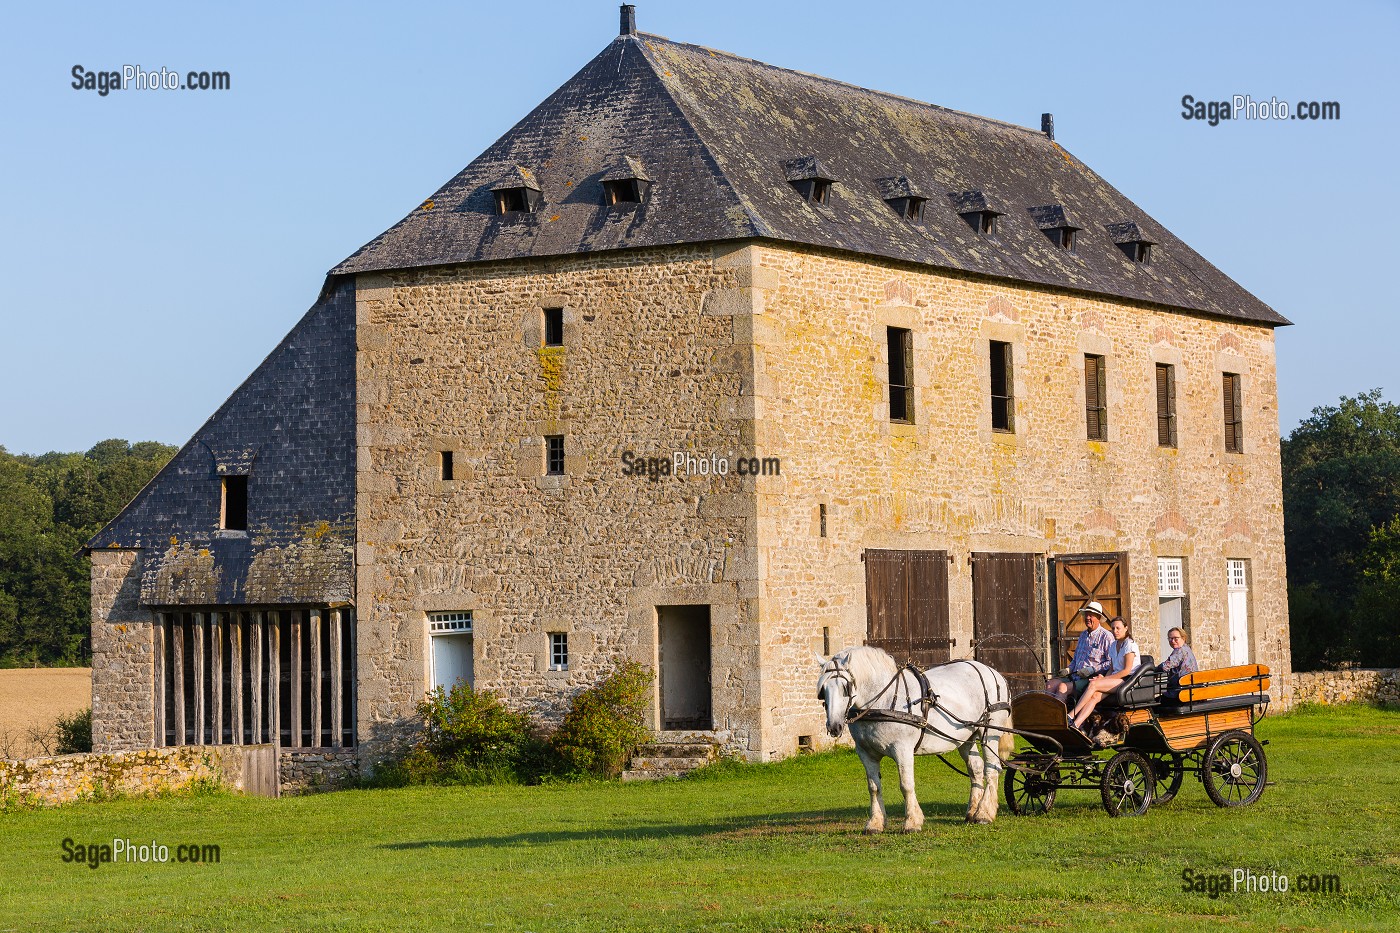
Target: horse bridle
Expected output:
[844,676]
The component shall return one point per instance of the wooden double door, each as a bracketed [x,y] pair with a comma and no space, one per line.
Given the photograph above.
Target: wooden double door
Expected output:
[906,602]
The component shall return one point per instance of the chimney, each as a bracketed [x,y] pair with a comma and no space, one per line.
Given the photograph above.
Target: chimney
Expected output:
[628,25]
[1047,125]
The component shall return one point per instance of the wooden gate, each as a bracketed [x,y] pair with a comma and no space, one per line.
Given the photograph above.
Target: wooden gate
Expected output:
[1006,604]
[906,600]
[1084,578]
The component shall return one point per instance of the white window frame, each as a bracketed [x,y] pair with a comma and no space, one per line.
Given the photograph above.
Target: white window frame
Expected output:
[558,651]
[1171,577]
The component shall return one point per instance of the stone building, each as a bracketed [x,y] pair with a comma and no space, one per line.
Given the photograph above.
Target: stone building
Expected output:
[715,366]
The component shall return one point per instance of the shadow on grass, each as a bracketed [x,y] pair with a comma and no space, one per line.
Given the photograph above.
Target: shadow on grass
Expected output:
[848,821]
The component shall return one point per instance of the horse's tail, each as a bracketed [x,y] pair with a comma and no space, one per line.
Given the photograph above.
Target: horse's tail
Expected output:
[1006,745]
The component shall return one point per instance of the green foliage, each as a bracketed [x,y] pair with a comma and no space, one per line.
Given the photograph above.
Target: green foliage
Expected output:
[1341,486]
[469,737]
[50,505]
[74,733]
[605,724]
[1377,612]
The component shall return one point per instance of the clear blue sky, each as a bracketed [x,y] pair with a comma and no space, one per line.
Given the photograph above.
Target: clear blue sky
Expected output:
[155,246]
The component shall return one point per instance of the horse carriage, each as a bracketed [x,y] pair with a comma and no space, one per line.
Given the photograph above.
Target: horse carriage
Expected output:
[1145,740]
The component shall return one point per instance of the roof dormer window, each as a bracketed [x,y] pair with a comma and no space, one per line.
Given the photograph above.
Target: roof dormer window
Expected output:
[1057,224]
[976,211]
[1131,239]
[626,183]
[902,197]
[810,179]
[517,192]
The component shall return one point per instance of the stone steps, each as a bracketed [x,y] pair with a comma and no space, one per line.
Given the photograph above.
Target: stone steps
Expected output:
[671,757]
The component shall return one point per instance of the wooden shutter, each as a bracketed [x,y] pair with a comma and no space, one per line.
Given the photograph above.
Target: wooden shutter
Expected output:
[1234,408]
[1008,627]
[1083,578]
[1166,405]
[906,597]
[1095,404]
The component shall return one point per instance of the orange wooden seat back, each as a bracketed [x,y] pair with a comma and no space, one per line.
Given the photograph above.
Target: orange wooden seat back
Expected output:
[1240,680]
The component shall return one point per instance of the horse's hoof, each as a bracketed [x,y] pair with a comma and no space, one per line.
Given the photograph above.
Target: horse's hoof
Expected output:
[873,830]
[913,829]
[979,820]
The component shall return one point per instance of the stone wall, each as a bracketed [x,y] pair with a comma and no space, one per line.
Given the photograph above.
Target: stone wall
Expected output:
[778,352]
[307,771]
[655,360]
[123,659]
[948,482]
[1351,686]
[66,778]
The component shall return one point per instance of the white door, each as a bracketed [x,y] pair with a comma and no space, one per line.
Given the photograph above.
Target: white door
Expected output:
[1237,594]
[452,660]
[1169,612]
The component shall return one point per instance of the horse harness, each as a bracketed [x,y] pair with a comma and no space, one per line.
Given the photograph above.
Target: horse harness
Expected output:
[928,702]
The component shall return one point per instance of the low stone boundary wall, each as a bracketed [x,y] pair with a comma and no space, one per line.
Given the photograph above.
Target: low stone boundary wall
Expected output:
[311,770]
[1351,686]
[66,778]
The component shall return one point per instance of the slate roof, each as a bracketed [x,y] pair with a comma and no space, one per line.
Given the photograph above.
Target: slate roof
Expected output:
[718,135]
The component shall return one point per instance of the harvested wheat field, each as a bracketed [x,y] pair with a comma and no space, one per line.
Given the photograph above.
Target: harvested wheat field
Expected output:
[32,698]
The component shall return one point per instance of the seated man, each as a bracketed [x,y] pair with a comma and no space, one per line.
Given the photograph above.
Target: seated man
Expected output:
[1179,663]
[1090,657]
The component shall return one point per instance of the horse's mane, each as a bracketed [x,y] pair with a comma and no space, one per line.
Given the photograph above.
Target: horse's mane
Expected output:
[868,664]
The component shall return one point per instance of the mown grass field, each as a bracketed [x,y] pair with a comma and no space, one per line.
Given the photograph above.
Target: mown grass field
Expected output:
[763,848]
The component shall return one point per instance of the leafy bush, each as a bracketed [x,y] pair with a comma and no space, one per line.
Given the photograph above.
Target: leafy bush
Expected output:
[604,725]
[469,737]
[74,733]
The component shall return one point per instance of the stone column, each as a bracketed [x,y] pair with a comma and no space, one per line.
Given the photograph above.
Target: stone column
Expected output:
[123,655]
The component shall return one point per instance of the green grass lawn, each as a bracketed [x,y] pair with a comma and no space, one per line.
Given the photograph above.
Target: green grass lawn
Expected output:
[775,847]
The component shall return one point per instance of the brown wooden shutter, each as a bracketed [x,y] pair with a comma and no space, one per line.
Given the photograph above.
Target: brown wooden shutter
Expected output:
[1095,398]
[1010,389]
[1230,393]
[1166,405]
[908,376]
[1239,414]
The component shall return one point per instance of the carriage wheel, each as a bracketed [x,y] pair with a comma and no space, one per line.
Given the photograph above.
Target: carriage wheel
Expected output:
[1235,771]
[1127,784]
[1169,769]
[1028,793]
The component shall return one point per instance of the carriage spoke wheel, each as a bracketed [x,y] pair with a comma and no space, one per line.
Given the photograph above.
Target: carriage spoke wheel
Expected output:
[1235,771]
[1127,785]
[1169,769]
[1031,794]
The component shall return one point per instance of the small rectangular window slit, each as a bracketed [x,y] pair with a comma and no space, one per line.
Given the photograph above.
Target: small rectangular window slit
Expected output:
[554,455]
[554,327]
[447,473]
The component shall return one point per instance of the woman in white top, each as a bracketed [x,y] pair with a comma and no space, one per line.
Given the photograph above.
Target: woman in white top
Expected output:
[1123,657]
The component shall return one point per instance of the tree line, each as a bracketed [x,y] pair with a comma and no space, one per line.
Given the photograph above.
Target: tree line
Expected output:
[50,506]
[1341,518]
[1341,506]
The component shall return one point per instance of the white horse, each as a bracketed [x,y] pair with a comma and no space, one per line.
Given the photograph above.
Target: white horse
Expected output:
[863,681]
